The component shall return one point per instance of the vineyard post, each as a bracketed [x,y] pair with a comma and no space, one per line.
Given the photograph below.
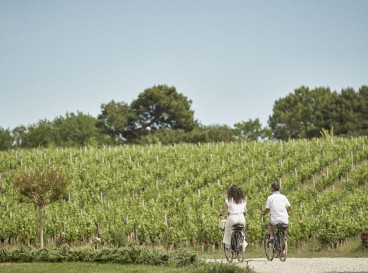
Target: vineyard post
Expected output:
[135,232]
[352,159]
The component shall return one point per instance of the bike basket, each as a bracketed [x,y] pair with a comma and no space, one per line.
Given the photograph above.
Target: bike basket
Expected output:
[222,224]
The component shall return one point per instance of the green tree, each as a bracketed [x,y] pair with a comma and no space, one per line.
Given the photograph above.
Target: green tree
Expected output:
[344,107]
[77,130]
[40,134]
[306,113]
[251,130]
[116,119]
[291,115]
[18,134]
[210,133]
[303,114]
[321,101]
[6,139]
[164,136]
[41,188]
[161,107]
[362,109]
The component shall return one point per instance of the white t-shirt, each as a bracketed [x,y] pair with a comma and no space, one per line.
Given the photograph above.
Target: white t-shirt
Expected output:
[277,203]
[235,208]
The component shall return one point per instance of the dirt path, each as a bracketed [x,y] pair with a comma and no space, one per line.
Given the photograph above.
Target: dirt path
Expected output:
[307,265]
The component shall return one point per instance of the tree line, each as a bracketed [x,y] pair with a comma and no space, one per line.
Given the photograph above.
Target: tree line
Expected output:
[161,114]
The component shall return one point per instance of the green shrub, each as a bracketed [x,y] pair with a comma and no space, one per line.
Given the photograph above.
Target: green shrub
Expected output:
[122,255]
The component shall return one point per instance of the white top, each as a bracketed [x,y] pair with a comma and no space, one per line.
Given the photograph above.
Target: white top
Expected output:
[236,208]
[277,203]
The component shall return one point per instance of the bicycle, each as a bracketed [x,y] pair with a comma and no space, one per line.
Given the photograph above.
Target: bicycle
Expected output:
[279,245]
[237,244]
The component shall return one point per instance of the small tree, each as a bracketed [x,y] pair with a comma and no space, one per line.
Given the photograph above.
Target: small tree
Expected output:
[251,130]
[41,188]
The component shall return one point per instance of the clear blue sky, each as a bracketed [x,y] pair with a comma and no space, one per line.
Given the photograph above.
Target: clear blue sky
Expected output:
[232,58]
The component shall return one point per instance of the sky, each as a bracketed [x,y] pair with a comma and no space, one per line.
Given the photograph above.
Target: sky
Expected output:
[233,59]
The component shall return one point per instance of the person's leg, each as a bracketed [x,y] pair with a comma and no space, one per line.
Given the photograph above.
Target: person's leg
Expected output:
[228,229]
[270,230]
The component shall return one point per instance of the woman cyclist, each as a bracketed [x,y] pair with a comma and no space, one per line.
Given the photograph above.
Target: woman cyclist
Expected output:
[236,206]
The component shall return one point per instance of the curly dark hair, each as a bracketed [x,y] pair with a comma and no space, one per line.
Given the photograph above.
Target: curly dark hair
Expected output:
[235,193]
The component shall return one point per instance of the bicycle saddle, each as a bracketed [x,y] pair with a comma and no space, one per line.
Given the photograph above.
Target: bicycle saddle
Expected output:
[238,226]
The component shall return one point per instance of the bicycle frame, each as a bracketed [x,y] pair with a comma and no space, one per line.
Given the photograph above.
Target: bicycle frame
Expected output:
[279,245]
[237,244]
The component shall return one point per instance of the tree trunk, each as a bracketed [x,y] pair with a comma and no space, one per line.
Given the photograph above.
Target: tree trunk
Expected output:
[41,224]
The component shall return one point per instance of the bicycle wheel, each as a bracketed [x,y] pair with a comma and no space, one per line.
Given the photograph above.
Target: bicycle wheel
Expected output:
[283,248]
[229,254]
[268,247]
[240,251]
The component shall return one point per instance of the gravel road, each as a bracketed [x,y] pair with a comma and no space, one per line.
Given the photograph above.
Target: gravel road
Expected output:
[307,265]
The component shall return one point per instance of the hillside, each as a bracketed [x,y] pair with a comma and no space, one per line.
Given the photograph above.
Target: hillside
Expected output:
[172,194]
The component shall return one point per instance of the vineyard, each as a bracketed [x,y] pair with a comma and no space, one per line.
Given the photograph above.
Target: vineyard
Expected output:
[171,195]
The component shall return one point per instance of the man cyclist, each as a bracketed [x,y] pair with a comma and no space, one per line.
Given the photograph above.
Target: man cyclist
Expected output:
[279,206]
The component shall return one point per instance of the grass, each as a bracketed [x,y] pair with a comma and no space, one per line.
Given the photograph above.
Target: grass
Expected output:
[71,267]
[352,248]
[84,267]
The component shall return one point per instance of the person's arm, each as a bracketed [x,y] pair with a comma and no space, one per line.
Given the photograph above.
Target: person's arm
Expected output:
[266,210]
[224,209]
[268,206]
[288,206]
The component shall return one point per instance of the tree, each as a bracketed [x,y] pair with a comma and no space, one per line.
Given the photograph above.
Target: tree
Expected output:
[286,119]
[210,133]
[163,136]
[18,134]
[321,102]
[6,139]
[344,114]
[301,114]
[161,107]
[115,119]
[41,188]
[251,130]
[77,130]
[35,135]
[363,110]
